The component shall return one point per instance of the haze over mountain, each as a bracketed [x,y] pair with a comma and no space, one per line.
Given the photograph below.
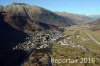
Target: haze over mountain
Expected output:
[76,18]
[95,16]
[96,22]
[95,25]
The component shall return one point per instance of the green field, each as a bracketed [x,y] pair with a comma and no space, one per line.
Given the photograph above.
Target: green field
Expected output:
[65,52]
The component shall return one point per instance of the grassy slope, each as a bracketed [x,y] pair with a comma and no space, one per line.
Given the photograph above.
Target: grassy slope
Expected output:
[67,52]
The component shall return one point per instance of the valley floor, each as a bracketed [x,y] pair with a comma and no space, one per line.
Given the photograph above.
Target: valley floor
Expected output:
[75,43]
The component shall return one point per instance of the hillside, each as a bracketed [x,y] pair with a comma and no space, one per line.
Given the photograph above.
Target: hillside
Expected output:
[9,37]
[14,30]
[96,22]
[95,16]
[24,23]
[95,25]
[37,14]
[76,18]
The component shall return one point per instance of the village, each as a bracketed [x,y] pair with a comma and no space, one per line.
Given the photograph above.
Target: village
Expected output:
[46,39]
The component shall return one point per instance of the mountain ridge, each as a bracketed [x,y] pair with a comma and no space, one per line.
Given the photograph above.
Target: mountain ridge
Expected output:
[76,18]
[36,13]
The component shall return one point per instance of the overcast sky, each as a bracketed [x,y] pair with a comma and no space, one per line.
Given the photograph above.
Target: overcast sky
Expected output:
[86,7]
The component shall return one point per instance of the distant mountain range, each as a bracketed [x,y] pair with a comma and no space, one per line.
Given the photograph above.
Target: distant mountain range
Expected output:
[76,18]
[96,22]
[95,17]
[95,25]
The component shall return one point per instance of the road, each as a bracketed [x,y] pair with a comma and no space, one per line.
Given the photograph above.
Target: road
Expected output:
[89,35]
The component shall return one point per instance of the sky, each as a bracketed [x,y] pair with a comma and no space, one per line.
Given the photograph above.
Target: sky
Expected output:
[85,7]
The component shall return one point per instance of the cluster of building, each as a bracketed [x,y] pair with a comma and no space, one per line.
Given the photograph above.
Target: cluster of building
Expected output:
[45,40]
[85,39]
[70,43]
[40,40]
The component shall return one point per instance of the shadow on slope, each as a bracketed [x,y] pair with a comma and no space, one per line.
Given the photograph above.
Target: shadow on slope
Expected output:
[47,26]
[10,37]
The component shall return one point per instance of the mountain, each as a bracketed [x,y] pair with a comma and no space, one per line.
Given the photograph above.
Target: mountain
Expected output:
[95,25]
[24,23]
[13,30]
[10,36]
[95,16]
[76,18]
[96,22]
[37,14]
[15,22]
